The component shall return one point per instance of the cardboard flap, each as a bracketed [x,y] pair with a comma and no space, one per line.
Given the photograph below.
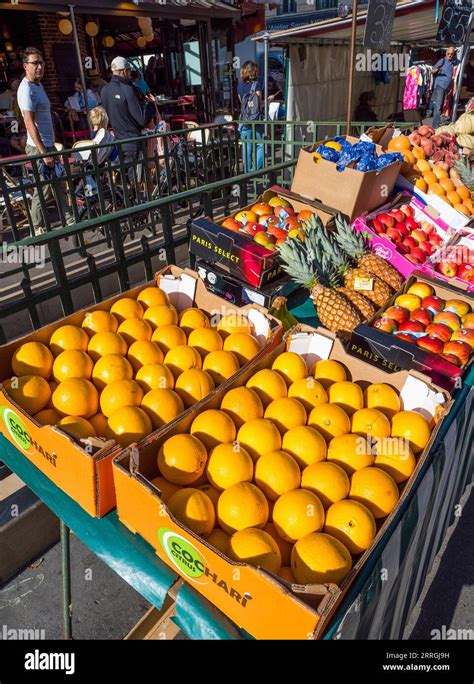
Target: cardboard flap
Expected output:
[181,289]
[311,346]
[260,323]
[417,396]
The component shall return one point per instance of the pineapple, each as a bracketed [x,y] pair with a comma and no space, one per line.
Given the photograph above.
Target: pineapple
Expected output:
[302,261]
[355,246]
[466,172]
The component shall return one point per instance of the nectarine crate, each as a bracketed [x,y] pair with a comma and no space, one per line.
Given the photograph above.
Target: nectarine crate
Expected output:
[453,263]
[236,252]
[389,352]
[391,249]
[83,467]
[353,192]
[257,600]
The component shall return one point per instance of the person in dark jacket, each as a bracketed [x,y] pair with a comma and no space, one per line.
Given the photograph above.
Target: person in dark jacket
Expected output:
[127,114]
[364,110]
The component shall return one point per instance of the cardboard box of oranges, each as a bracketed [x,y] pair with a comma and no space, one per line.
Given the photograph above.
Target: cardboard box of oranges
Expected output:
[271,497]
[75,392]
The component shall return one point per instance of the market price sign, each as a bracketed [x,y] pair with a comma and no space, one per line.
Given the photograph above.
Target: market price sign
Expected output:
[378,29]
[455,24]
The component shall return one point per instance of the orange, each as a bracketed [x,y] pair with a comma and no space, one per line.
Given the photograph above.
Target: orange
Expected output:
[194,509]
[134,329]
[440,174]
[47,416]
[155,376]
[350,452]
[286,574]
[328,372]
[393,455]
[243,345]
[255,547]
[258,437]
[211,492]
[31,392]
[110,368]
[330,420]
[68,337]
[413,427]
[463,209]
[399,143]
[446,183]
[76,397]
[166,488]
[190,319]
[234,322]
[152,296]
[32,358]
[347,395]
[168,337]
[305,444]
[227,465]
[436,189]
[421,184]
[370,422]
[103,343]
[213,427]
[423,165]
[161,315]
[182,459]
[319,559]
[375,489]
[242,404]
[453,197]
[99,321]
[218,539]
[286,413]
[79,427]
[291,367]
[463,192]
[242,505]
[162,406]
[430,177]
[205,340]
[143,353]
[284,546]
[72,364]
[100,425]
[182,358]
[352,523]
[418,152]
[52,387]
[309,392]
[327,480]
[129,424]
[120,393]
[297,513]
[276,473]
[221,365]
[125,308]
[382,397]
[268,384]
[193,385]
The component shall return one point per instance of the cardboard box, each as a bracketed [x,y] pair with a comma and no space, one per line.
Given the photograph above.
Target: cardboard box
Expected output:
[235,252]
[266,606]
[385,351]
[352,192]
[385,247]
[239,293]
[429,267]
[83,468]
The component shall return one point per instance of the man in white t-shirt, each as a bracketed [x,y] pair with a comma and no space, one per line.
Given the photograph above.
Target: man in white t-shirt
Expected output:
[36,109]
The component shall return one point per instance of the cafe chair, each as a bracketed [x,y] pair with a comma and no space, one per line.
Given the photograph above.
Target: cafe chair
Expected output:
[178,121]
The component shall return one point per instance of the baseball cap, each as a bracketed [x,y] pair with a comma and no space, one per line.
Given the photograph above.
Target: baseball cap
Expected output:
[119,63]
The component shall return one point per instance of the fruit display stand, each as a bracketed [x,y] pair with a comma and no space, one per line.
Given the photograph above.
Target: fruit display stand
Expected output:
[455,263]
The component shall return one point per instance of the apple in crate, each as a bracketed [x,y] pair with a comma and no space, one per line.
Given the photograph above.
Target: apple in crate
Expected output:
[278,202]
[397,214]
[430,344]
[407,210]
[447,268]
[253,228]
[433,303]
[246,216]
[378,226]
[439,330]
[406,337]
[458,306]
[464,335]
[394,234]
[409,242]
[397,313]
[427,227]
[436,239]
[284,212]
[418,254]
[466,272]
[408,301]
[401,227]
[452,359]
[423,316]
[387,325]
[261,209]
[459,349]
[417,234]
[411,327]
[449,318]
[386,220]
[427,247]
[232,224]
[420,289]
[468,321]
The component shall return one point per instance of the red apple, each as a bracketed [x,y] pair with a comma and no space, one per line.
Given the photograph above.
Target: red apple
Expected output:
[394,234]
[459,349]
[427,227]
[403,249]
[411,258]
[439,330]
[452,359]
[419,254]
[397,214]
[423,316]
[466,272]
[385,324]
[411,223]
[377,226]
[406,337]
[253,228]
[447,268]
[431,344]
[409,242]
[397,313]
[433,303]
[449,318]
[386,220]
[232,224]
[427,247]
[464,335]
[401,227]
[419,235]
[458,306]
[436,239]
[407,210]
[411,327]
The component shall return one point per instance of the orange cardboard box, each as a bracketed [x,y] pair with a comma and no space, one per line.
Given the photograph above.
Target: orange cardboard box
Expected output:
[83,468]
[266,606]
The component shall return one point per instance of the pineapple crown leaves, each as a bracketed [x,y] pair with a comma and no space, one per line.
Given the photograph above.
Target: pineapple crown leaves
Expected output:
[352,243]
[465,169]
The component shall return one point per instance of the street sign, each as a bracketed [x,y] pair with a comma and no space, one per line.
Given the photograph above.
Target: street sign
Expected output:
[455,22]
[378,29]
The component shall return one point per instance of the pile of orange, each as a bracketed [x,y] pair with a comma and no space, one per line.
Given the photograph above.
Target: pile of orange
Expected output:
[125,372]
[435,180]
[283,476]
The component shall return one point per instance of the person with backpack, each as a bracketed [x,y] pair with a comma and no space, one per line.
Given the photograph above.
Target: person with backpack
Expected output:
[443,72]
[250,92]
